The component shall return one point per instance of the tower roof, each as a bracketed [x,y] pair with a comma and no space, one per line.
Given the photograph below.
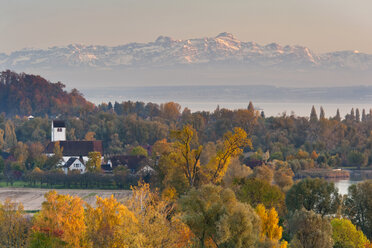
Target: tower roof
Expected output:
[59,123]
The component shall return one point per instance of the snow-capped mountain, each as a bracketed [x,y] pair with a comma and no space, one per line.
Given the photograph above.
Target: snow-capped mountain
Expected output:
[165,52]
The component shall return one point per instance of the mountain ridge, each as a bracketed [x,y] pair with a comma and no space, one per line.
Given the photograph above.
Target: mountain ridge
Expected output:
[166,51]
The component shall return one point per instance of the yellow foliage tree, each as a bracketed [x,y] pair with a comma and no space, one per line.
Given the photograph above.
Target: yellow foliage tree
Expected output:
[94,161]
[158,226]
[270,229]
[62,216]
[232,145]
[111,224]
[14,228]
[186,142]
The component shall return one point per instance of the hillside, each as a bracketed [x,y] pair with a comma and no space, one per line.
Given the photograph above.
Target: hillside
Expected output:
[24,94]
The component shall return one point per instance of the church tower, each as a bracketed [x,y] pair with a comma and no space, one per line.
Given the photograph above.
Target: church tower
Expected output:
[58,131]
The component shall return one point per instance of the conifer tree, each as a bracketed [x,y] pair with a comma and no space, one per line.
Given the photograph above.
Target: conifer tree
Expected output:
[250,106]
[352,115]
[322,114]
[364,117]
[357,115]
[313,115]
[338,116]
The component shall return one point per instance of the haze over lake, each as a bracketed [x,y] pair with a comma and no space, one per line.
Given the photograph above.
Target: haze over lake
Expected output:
[272,100]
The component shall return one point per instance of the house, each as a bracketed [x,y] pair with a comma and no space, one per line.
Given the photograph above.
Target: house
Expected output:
[72,150]
[137,164]
[74,164]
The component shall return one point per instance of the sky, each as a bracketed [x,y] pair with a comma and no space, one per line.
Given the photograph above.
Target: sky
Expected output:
[321,25]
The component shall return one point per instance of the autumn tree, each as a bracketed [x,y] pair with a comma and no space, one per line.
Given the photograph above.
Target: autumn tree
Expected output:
[309,230]
[15,227]
[90,136]
[94,161]
[170,110]
[61,218]
[345,234]
[215,216]
[232,146]
[10,136]
[270,229]
[186,143]
[111,224]
[158,225]
[2,142]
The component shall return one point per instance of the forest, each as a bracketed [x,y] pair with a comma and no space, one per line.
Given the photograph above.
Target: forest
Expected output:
[225,178]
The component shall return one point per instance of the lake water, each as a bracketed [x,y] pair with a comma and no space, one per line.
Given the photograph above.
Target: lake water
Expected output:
[272,100]
[343,185]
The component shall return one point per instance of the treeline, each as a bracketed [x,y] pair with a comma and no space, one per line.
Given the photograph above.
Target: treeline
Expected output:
[24,94]
[208,216]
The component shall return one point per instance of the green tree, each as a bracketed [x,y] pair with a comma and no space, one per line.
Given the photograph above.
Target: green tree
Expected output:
[356,158]
[345,234]
[214,215]
[255,191]
[358,206]
[313,194]
[139,151]
[310,230]
[313,115]
[322,113]
[2,142]
[115,145]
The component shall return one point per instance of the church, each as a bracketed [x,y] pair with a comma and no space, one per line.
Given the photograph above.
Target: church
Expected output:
[75,153]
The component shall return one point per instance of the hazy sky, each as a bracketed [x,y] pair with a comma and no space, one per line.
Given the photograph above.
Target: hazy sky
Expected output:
[322,25]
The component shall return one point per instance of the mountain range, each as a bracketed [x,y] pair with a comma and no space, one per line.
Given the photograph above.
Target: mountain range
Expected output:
[221,60]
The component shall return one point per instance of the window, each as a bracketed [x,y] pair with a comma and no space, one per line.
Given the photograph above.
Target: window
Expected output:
[59,129]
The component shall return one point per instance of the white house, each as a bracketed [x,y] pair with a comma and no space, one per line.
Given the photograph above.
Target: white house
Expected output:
[74,164]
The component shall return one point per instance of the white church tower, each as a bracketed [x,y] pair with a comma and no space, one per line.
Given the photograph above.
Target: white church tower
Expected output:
[58,131]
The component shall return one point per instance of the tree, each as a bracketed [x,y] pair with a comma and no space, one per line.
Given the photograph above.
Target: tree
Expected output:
[356,158]
[338,116]
[255,191]
[158,225]
[357,115]
[322,113]
[309,230]
[313,115]
[186,144]
[170,110]
[232,146]
[111,224]
[283,177]
[345,234]
[139,151]
[214,215]
[90,136]
[115,146]
[2,142]
[10,136]
[94,161]
[15,227]
[313,194]
[364,116]
[358,206]
[270,228]
[61,217]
